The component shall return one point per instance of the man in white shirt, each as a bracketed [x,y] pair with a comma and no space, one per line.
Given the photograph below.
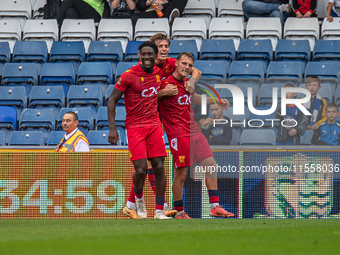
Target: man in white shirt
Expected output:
[74,140]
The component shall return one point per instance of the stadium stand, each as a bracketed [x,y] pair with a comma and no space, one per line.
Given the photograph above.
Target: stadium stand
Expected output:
[85,118]
[5,55]
[223,50]
[2,139]
[36,13]
[8,121]
[229,8]
[265,96]
[227,28]
[15,97]
[226,93]
[202,9]
[20,10]
[85,96]
[306,138]
[23,138]
[178,46]
[337,96]
[41,30]
[258,137]
[293,50]
[262,120]
[188,29]
[102,122]
[145,28]
[264,28]
[115,30]
[259,50]
[122,67]
[131,51]
[302,29]
[96,137]
[330,30]
[213,71]
[51,97]
[108,93]
[30,52]
[284,72]
[58,74]
[10,31]
[55,137]
[235,140]
[78,30]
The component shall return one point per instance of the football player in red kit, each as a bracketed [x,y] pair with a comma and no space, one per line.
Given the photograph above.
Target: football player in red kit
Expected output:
[140,84]
[187,144]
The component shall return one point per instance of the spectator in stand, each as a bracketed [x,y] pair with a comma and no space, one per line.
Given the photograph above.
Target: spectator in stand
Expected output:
[304,8]
[317,105]
[328,133]
[295,122]
[218,130]
[123,9]
[266,8]
[83,9]
[170,9]
[333,9]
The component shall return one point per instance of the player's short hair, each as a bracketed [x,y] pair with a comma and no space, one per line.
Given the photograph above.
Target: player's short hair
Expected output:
[159,37]
[313,78]
[75,116]
[186,54]
[289,85]
[148,44]
[332,105]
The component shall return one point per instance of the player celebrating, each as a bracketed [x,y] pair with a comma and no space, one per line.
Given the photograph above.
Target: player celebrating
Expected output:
[167,66]
[144,131]
[187,143]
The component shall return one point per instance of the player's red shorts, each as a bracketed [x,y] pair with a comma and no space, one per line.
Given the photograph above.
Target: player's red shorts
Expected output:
[187,150]
[146,142]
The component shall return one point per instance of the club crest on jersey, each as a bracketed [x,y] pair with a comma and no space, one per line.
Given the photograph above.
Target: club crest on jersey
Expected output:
[181,159]
[174,143]
[142,79]
[119,80]
[158,78]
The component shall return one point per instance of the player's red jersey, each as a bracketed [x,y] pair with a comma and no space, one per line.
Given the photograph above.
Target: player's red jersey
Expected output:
[175,111]
[168,67]
[140,95]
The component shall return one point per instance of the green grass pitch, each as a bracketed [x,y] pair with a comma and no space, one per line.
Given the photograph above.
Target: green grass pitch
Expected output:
[198,236]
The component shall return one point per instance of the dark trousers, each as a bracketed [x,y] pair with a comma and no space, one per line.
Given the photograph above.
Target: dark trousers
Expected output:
[76,9]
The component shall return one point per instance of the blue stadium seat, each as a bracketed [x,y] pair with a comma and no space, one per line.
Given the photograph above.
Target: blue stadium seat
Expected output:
[293,50]
[246,72]
[131,51]
[99,73]
[8,120]
[235,140]
[282,72]
[108,93]
[101,137]
[100,51]
[73,52]
[326,50]
[226,93]
[55,137]
[179,46]
[325,92]
[37,120]
[20,138]
[259,50]
[20,74]
[5,55]
[213,71]
[102,122]
[266,124]
[51,97]
[258,137]
[120,116]
[265,97]
[85,118]
[122,67]
[306,138]
[58,74]
[238,119]
[337,96]
[85,96]
[2,138]
[15,97]
[327,72]
[166,140]
[30,52]
[218,50]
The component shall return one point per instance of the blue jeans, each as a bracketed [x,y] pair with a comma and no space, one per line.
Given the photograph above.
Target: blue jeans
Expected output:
[252,8]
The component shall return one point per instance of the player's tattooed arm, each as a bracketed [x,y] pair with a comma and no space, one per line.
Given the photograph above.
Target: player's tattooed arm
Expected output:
[169,90]
[116,94]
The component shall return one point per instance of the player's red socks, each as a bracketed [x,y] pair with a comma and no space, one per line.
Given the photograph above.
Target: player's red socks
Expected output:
[213,198]
[179,206]
[139,193]
[151,178]
[159,203]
